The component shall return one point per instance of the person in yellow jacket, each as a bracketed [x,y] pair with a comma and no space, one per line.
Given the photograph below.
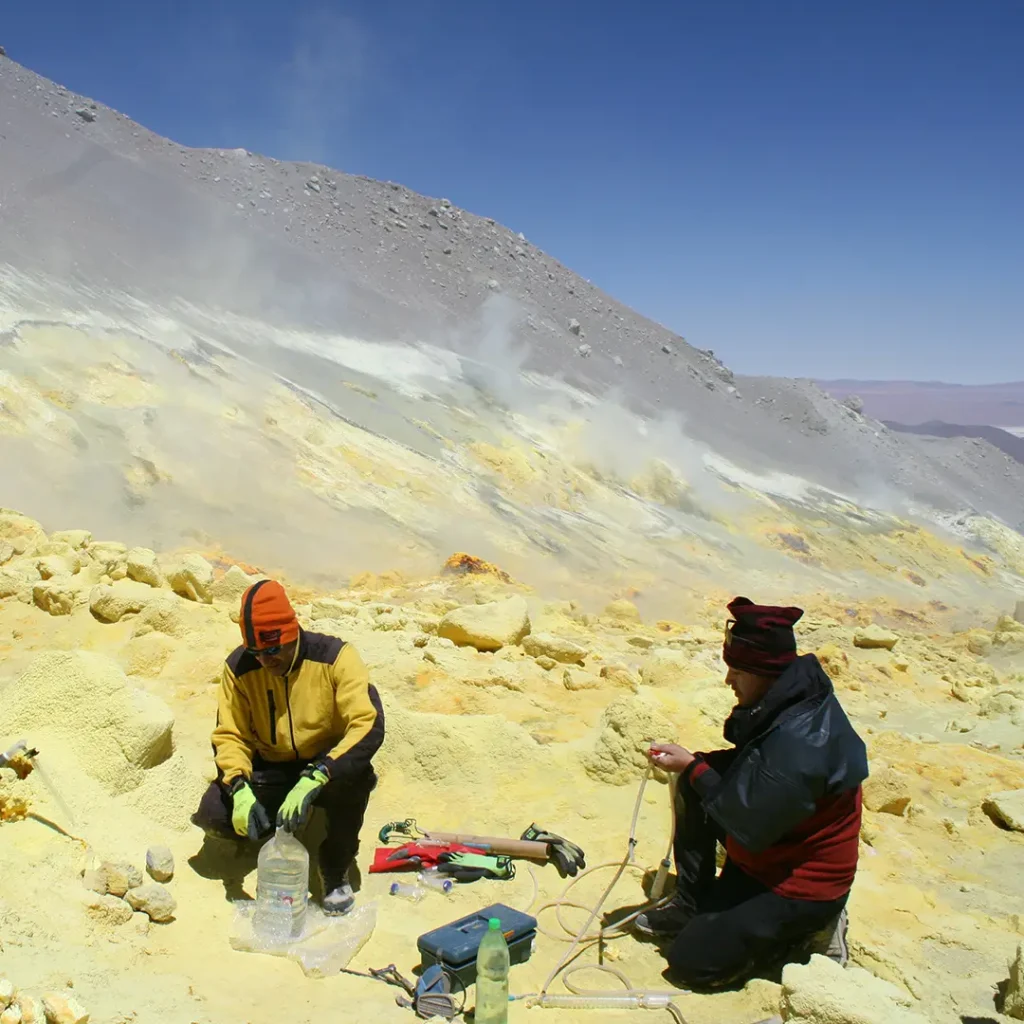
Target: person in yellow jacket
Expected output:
[298,724]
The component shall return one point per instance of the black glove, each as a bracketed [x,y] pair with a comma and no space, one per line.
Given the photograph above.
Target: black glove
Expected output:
[566,856]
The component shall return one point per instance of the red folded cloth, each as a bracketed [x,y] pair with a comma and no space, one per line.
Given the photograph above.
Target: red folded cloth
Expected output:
[415,855]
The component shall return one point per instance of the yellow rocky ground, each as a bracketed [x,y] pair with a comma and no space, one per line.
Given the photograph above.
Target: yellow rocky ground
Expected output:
[486,743]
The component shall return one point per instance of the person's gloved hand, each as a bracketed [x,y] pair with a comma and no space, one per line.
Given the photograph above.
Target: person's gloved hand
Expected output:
[248,816]
[566,856]
[299,801]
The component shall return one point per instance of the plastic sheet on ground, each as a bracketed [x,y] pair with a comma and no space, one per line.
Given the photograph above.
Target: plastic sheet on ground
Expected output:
[326,944]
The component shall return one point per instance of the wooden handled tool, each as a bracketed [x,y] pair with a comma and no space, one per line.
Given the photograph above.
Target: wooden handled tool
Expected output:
[524,848]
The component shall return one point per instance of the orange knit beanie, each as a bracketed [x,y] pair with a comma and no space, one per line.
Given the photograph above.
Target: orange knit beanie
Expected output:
[267,618]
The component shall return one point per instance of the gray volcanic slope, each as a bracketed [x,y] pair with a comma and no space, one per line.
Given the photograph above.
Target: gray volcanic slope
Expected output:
[91,198]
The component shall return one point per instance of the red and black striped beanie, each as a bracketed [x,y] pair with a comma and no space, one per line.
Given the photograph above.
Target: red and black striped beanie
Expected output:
[267,618]
[760,638]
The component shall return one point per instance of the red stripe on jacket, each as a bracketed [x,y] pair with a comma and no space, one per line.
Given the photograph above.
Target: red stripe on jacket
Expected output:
[817,860]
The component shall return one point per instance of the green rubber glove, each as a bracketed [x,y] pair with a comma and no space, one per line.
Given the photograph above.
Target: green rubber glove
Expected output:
[249,817]
[299,801]
[468,867]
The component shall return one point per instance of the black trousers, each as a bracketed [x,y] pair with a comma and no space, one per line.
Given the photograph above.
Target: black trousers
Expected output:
[344,804]
[740,927]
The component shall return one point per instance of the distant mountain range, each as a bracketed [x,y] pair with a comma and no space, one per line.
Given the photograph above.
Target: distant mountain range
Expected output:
[1002,439]
[916,403]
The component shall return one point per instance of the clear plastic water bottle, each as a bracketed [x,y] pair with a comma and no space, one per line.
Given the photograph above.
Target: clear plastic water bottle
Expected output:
[282,888]
[407,891]
[492,963]
[433,879]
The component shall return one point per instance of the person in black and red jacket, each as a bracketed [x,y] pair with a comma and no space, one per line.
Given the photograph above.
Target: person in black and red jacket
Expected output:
[784,801]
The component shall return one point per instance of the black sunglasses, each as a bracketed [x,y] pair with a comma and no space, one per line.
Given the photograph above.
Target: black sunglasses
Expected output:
[268,652]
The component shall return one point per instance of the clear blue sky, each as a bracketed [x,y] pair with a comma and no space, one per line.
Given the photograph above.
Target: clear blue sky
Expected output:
[810,188]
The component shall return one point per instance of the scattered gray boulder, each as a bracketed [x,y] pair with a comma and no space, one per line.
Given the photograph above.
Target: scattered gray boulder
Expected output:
[153,900]
[86,114]
[854,403]
[574,326]
[160,863]
[120,876]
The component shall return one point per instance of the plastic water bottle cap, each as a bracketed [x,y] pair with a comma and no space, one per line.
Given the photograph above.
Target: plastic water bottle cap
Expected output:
[394,888]
[494,923]
[446,885]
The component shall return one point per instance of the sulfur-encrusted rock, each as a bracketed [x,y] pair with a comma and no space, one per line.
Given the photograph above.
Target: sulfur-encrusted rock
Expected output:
[822,992]
[622,611]
[120,876]
[7,551]
[546,663]
[230,588]
[1007,808]
[576,681]
[160,863]
[559,648]
[874,636]
[620,675]
[64,1010]
[125,597]
[32,1009]
[1013,998]
[192,577]
[57,596]
[331,608]
[77,539]
[17,578]
[107,909]
[887,791]
[7,993]
[12,1015]
[110,557]
[628,727]
[489,626]
[979,641]
[154,900]
[142,567]
[834,660]
[1018,613]
[665,668]
[115,730]
[57,565]
[19,531]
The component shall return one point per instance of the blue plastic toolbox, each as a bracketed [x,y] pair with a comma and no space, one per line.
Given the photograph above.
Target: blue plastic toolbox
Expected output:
[454,945]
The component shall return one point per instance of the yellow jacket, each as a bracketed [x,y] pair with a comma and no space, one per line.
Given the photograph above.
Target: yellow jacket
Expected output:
[323,711]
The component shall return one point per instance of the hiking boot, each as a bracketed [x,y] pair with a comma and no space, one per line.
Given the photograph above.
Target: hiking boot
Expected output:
[831,941]
[669,919]
[836,948]
[339,900]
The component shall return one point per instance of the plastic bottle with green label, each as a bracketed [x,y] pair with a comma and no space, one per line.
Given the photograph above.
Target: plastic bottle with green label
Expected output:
[492,963]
